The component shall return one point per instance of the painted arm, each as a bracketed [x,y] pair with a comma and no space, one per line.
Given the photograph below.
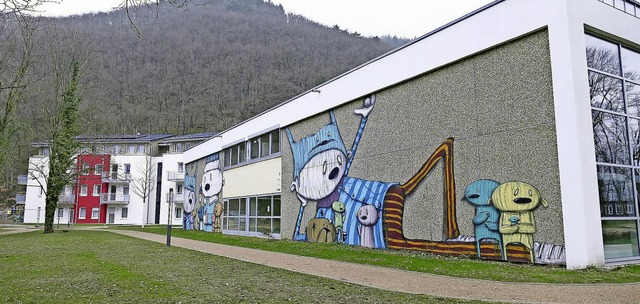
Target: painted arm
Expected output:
[367,106]
[480,218]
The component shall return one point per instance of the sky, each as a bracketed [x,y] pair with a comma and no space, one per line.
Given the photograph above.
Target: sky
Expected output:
[403,18]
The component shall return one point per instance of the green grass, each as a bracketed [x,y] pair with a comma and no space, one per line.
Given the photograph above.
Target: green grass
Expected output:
[103,267]
[421,262]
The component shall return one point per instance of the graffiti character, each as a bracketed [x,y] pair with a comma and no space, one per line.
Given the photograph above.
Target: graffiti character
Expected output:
[217,212]
[487,216]
[516,201]
[210,187]
[321,167]
[189,203]
[338,220]
[367,216]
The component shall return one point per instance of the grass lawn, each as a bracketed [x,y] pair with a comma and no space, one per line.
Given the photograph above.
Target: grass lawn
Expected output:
[102,267]
[415,261]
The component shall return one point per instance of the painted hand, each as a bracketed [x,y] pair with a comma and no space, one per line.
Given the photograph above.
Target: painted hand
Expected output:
[302,199]
[367,106]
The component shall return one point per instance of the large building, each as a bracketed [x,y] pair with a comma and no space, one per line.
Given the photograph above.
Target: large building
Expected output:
[121,179]
[510,134]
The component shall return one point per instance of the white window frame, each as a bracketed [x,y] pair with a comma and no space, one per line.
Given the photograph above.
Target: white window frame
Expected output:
[97,169]
[60,212]
[178,212]
[96,190]
[95,213]
[124,213]
[84,190]
[82,213]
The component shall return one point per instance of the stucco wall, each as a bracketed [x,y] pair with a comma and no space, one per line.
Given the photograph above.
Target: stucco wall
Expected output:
[498,108]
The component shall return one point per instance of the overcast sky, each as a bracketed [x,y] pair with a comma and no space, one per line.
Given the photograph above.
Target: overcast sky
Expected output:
[404,18]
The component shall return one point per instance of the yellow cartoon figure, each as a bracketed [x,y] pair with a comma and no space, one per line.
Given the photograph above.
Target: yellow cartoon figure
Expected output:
[516,202]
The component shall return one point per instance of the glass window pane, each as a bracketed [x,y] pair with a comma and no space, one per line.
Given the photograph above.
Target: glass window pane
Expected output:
[234,155]
[276,225]
[243,206]
[610,138]
[234,209]
[602,55]
[264,206]
[606,92]
[634,128]
[253,208]
[255,148]
[264,145]
[264,225]
[242,224]
[275,141]
[243,153]
[615,186]
[253,225]
[225,210]
[233,223]
[620,239]
[225,223]
[633,99]
[276,205]
[227,157]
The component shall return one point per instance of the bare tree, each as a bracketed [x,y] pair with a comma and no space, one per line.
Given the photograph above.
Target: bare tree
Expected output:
[144,185]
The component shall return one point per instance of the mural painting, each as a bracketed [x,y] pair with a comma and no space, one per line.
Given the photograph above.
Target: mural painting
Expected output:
[369,213]
[203,199]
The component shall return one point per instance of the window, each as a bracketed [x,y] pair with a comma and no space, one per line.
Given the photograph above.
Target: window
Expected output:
[180,167]
[141,149]
[60,212]
[82,213]
[85,169]
[98,169]
[125,212]
[258,214]
[125,190]
[114,171]
[265,145]
[44,151]
[178,213]
[127,168]
[178,188]
[116,149]
[178,147]
[614,81]
[131,149]
[83,190]
[95,213]
[236,154]
[96,190]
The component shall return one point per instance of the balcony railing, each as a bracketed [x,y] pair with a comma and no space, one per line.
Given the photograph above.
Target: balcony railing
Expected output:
[66,199]
[173,176]
[114,178]
[177,198]
[631,7]
[21,198]
[114,198]
[23,180]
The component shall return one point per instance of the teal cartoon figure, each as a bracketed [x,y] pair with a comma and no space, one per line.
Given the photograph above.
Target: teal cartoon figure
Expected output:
[487,217]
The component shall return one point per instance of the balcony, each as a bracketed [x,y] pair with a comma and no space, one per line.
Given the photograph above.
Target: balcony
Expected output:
[173,176]
[631,7]
[177,198]
[23,180]
[66,199]
[21,198]
[114,178]
[114,199]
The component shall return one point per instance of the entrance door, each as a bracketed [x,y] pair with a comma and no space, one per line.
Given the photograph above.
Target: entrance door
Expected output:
[111,215]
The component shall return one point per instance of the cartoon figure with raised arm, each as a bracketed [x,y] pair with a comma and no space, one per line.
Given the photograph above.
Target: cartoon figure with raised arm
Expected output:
[210,187]
[364,213]
[190,202]
[487,216]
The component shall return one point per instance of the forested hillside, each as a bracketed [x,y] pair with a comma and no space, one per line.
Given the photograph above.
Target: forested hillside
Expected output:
[194,69]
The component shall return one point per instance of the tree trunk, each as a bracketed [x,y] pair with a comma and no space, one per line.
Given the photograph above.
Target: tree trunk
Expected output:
[49,213]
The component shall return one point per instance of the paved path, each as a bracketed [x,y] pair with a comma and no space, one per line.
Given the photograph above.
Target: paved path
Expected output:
[414,282]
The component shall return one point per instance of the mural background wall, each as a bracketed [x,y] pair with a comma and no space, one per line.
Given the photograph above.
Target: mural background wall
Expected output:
[497,105]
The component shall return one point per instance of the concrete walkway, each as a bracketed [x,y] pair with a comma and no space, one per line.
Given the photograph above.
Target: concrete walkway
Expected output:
[414,282]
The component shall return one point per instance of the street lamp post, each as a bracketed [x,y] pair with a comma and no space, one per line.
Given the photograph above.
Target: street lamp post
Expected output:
[170,200]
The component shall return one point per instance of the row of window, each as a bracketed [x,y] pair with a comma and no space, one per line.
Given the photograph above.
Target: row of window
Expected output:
[84,189]
[115,149]
[97,170]
[82,213]
[258,147]
[252,214]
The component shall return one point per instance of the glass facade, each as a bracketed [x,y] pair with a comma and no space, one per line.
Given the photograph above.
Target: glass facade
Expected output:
[257,214]
[614,87]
